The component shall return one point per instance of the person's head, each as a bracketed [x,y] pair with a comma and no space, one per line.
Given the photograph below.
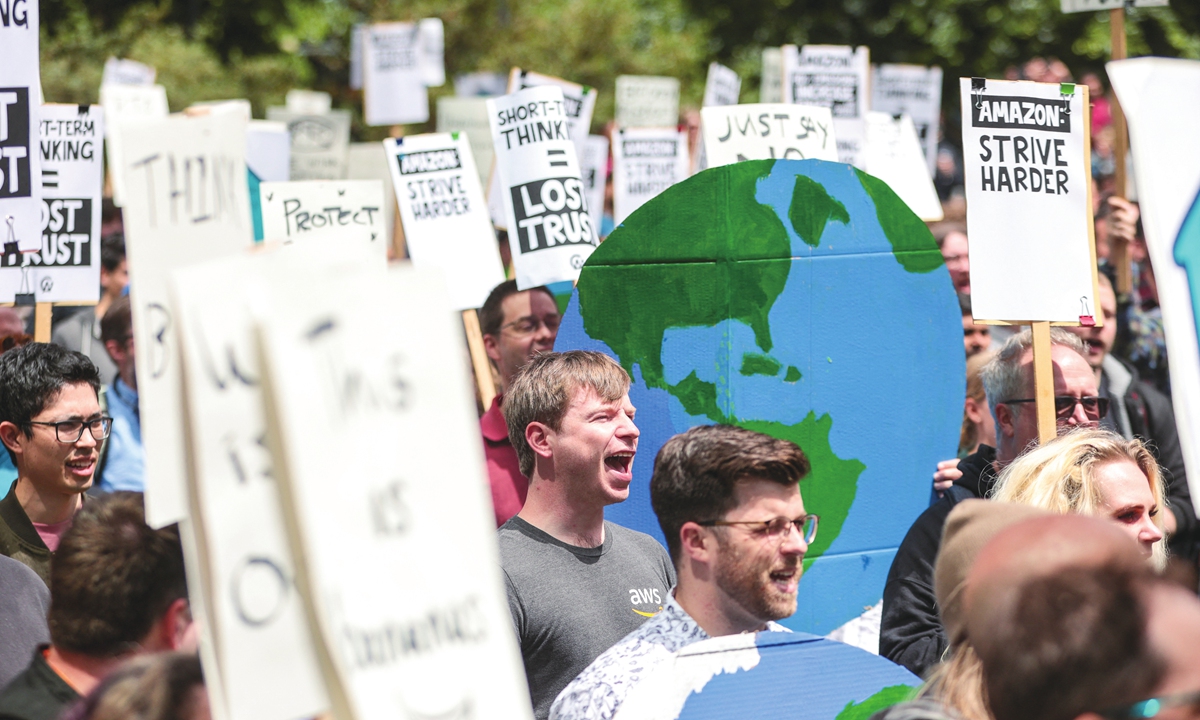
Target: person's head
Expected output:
[1009,383]
[50,419]
[1174,635]
[570,420]
[728,502]
[1099,340]
[114,270]
[951,239]
[116,332]
[978,425]
[976,338]
[516,325]
[1093,472]
[10,322]
[162,686]
[117,586]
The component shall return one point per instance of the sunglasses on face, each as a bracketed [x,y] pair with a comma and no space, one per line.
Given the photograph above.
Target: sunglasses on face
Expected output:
[1064,405]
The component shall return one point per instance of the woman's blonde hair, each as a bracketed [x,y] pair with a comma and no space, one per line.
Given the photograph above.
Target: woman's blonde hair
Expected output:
[1060,476]
[957,683]
[968,437]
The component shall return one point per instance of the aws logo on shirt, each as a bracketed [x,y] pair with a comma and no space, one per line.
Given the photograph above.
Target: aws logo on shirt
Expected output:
[646,597]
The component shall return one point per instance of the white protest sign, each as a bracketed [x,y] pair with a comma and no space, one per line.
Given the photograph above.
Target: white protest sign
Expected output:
[893,154]
[760,132]
[268,150]
[368,161]
[469,115]
[357,33]
[722,86]
[916,91]
[128,102]
[480,85]
[645,101]
[1029,213]
[550,230]
[187,201]
[127,72]
[1074,6]
[446,223]
[393,87]
[771,88]
[319,143]
[646,161]
[832,76]
[412,617]
[308,102]
[594,172]
[263,648]
[66,268]
[330,212]
[1161,100]
[20,99]
[432,51]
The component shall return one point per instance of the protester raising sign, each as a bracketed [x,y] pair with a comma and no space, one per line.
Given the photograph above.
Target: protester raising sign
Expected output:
[329,212]
[550,229]
[765,132]
[644,101]
[1028,179]
[646,161]
[20,93]
[66,268]
[393,83]
[446,222]
[400,574]
[832,76]
[893,154]
[320,143]
[594,172]
[916,91]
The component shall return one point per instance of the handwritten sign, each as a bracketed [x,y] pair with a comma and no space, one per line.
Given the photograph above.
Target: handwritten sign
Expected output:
[469,115]
[550,229]
[127,72]
[1029,217]
[915,91]
[445,219]
[66,267]
[893,154]
[393,87]
[646,161]
[328,212]
[412,619]
[832,76]
[769,131]
[187,202]
[722,86]
[319,143]
[645,101]
[369,161]
[594,173]
[20,93]
[128,102]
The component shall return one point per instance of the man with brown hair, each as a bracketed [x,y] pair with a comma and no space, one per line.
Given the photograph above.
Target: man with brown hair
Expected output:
[124,463]
[576,584]
[117,589]
[728,501]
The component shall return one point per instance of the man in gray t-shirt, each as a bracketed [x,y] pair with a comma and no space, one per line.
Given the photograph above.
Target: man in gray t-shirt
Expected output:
[576,584]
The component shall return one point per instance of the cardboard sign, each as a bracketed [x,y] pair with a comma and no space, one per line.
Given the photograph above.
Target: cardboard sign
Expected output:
[1161,98]
[187,201]
[412,619]
[446,222]
[469,115]
[769,131]
[646,161]
[550,229]
[319,143]
[393,87]
[66,268]
[1028,177]
[645,101]
[127,72]
[594,171]
[308,102]
[832,76]
[771,88]
[329,212]
[20,98]
[894,156]
[260,640]
[128,102]
[722,86]
[1074,6]
[916,91]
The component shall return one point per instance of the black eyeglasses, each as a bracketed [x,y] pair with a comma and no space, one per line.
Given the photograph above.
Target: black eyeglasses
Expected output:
[777,529]
[1064,405]
[1150,708]
[70,431]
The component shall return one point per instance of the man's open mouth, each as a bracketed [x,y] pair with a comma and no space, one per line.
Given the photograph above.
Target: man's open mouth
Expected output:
[622,462]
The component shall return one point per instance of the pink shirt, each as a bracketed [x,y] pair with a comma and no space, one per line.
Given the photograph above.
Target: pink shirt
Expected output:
[51,533]
[509,486]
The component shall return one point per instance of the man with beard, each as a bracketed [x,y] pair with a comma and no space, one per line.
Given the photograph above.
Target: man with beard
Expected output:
[728,501]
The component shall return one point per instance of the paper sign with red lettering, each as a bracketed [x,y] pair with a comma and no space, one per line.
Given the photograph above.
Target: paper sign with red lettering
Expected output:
[327,212]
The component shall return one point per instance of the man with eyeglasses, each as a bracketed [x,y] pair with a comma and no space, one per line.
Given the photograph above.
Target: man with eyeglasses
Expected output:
[728,501]
[123,464]
[51,425]
[516,325]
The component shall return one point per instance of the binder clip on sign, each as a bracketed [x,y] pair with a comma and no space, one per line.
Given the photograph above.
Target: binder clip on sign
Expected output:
[25,296]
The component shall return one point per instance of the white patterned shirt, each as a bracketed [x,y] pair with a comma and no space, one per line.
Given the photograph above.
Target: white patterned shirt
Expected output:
[600,689]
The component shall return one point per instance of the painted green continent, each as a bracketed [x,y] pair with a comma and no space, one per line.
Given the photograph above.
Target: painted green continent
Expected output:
[885,698]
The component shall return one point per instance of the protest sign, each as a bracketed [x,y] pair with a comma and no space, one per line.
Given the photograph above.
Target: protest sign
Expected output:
[1074,6]
[645,101]
[127,102]
[1161,99]
[368,161]
[319,143]
[127,72]
[480,85]
[446,223]
[393,86]
[761,132]
[646,161]
[268,150]
[411,615]
[594,173]
[20,98]
[1028,178]
[893,154]
[832,76]
[66,267]
[914,90]
[431,51]
[187,201]
[722,86]
[330,212]
[469,115]
[771,88]
[357,32]
[550,230]
[308,102]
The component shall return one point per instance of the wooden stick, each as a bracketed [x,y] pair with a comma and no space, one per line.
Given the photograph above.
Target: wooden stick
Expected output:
[42,312]
[479,359]
[1043,380]
[1119,250]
